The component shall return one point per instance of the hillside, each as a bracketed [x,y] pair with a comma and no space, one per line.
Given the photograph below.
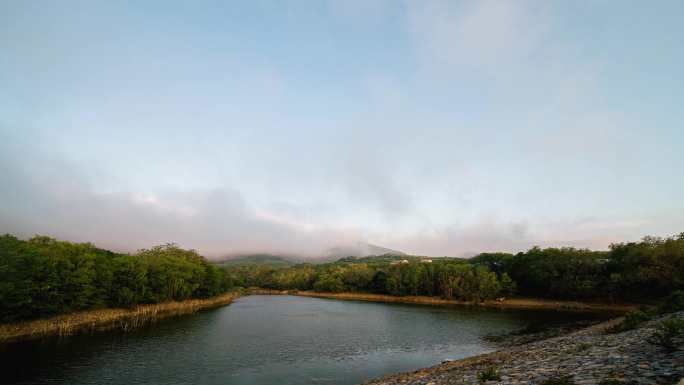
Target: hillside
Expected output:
[258,259]
[359,249]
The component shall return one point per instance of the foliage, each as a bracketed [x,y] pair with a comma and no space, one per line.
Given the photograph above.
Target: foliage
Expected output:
[631,321]
[257,259]
[489,374]
[634,271]
[42,277]
[670,333]
[627,272]
[674,302]
[447,278]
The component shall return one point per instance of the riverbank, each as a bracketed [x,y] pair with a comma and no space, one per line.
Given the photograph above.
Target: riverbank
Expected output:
[509,303]
[106,319]
[126,319]
[587,357]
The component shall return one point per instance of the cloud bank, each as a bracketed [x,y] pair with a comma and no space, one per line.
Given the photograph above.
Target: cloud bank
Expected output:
[435,128]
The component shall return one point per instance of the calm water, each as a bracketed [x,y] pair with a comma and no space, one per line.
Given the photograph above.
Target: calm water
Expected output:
[269,340]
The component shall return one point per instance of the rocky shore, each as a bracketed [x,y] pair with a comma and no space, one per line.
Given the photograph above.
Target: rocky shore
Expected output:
[591,356]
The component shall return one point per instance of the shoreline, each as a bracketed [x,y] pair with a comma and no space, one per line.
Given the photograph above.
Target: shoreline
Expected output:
[107,319]
[141,315]
[509,303]
[588,356]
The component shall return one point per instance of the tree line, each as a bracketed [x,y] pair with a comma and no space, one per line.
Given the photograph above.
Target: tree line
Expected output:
[41,277]
[636,271]
[447,278]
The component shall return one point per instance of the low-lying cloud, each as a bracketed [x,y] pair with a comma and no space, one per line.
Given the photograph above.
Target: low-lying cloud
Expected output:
[437,128]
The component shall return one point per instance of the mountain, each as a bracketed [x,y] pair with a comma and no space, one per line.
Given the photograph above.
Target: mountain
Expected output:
[359,249]
[258,259]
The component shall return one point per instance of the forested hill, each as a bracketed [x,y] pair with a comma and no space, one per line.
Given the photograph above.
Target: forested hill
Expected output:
[41,276]
[359,249]
[258,259]
[637,271]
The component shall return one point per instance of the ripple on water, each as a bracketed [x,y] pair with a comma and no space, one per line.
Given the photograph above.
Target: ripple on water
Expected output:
[270,340]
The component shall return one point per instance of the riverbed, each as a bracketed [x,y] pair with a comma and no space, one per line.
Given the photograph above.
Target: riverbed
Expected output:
[272,340]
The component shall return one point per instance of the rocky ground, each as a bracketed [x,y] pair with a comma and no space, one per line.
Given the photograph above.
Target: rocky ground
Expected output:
[585,357]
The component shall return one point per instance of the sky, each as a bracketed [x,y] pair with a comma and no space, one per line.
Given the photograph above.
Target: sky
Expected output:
[431,127]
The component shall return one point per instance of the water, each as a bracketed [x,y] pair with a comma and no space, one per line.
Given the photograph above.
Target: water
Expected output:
[263,340]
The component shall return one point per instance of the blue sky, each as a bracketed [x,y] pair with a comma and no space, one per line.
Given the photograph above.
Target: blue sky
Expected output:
[440,128]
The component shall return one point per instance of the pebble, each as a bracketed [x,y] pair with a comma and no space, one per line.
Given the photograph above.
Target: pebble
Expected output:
[588,356]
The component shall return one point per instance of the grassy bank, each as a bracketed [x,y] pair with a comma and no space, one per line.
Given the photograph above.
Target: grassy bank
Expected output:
[104,319]
[512,303]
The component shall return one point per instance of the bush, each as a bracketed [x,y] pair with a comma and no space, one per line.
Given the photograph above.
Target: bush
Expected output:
[632,320]
[669,334]
[489,374]
[329,283]
[674,302]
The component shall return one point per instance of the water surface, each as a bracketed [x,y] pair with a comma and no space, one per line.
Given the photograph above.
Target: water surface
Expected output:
[270,340]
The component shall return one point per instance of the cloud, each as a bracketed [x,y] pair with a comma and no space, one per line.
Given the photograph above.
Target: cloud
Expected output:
[43,194]
[482,37]
[434,127]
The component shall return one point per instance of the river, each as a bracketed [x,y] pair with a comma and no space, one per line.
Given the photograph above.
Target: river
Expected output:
[268,340]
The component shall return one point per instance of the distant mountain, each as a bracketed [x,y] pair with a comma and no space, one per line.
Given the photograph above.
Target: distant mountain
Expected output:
[258,259]
[359,249]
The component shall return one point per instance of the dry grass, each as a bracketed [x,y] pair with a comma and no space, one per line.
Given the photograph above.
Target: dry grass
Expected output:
[514,303]
[125,319]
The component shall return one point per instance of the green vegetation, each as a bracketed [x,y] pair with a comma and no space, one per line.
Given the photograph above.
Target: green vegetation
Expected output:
[257,259]
[42,277]
[446,278]
[637,271]
[489,374]
[670,333]
[674,302]
[631,321]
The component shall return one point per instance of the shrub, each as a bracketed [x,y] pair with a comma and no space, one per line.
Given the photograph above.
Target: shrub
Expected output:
[632,320]
[489,374]
[669,333]
[329,283]
[674,302]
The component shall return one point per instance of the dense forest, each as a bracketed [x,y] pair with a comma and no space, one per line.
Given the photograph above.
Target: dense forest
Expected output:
[637,271]
[41,276]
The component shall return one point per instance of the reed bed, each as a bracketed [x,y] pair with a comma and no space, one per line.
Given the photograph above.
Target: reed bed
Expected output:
[512,303]
[104,319]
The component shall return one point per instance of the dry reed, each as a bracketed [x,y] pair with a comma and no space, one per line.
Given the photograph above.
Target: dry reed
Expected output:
[103,319]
